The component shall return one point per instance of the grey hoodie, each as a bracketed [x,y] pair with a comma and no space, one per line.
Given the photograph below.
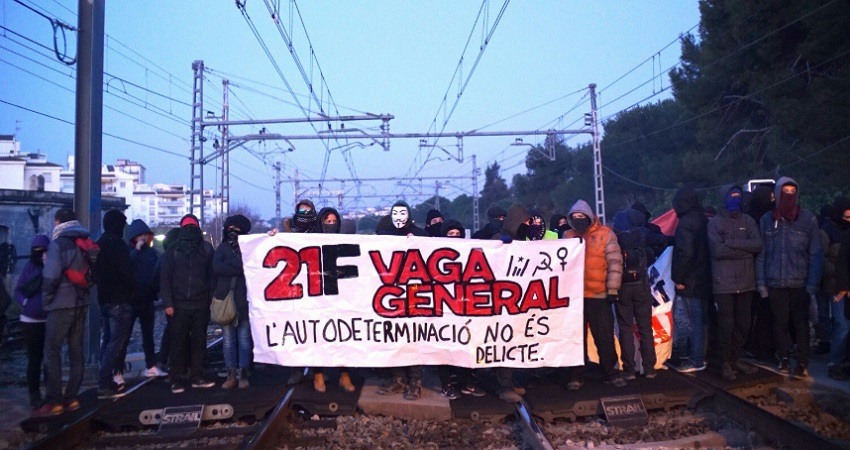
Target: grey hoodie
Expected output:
[734,241]
[59,292]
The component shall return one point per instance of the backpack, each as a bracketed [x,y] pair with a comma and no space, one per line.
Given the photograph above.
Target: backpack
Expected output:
[80,272]
[636,259]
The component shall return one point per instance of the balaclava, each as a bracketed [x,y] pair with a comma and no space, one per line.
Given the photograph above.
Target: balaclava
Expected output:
[733,204]
[304,221]
[38,249]
[114,222]
[536,230]
[435,229]
[786,205]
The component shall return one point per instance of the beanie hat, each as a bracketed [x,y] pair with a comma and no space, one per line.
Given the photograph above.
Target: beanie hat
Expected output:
[494,212]
[238,221]
[189,219]
[40,240]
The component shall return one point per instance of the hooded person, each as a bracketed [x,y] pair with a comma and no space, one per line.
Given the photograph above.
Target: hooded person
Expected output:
[230,276]
[691,271]
[537,227]
[331,223]
[603,272]
[33,317]
[144,261]
[790,266]
[304,220]
[453,228]
[734,241]
[559,224]
[186,290]
[841,330]
[434,223]
[761,202]
[516,225]
[634,306]
[117,292]
[495,221]
[653,228]
[402,222]
[66,306]
[404,380]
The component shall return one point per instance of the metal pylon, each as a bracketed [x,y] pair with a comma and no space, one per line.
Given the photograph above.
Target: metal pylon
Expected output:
[597,157]
[196,180]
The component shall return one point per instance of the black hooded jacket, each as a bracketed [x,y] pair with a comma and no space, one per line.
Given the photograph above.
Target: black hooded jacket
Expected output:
[113,270]
[323,214]
[691,259]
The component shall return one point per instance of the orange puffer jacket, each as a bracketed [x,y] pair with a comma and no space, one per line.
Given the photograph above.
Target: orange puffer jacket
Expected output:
[603,261]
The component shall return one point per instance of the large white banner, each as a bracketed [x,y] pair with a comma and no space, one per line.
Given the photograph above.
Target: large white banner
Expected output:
[383,301]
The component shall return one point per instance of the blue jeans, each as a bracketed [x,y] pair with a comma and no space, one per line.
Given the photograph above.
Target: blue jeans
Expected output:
[238,345]
[64,325]
[840,333]
[695,308]
[120,322]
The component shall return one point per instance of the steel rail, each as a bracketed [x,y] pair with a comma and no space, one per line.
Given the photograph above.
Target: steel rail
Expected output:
[76,432]
[532,434]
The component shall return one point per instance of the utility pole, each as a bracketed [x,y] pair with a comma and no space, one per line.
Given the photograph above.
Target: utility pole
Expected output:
[88,138]
[196,179]
[277,191]
[474,194]
[597,157]
[437,194]
[225,158]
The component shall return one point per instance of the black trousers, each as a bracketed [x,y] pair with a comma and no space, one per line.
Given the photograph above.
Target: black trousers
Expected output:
[733,317]
[189,337]
[635,308]
[34,334]
[144,313]
[793,304]
[599,317]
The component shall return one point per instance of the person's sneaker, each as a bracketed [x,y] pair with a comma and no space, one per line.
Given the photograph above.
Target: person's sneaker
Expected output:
[727,372]
[650,374]
[450,391]
[616,382]
[508,395]
[393,385]
[200,383]
[784,365]
[630,375]
[414,391]
[118,378]
[105,392]
[177,388]
[72,405]
[49,409]
[744,368]
[574,385]
[800,372]
[690,367]
[155,372]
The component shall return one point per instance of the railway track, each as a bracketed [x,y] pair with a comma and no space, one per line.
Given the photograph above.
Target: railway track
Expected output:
[83,432]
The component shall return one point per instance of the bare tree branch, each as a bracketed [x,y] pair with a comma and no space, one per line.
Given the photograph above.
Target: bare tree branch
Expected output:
[739,132]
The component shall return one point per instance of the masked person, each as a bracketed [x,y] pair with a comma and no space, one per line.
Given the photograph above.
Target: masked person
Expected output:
[603,272]
[229,275]
[559,224]
[406,380]
[331,223]
[537,227]
[789,268]
[634,306]
[145,260]
[495,220]
[117,292]
[186,289]
[734,242]
[33,318]
[434,223]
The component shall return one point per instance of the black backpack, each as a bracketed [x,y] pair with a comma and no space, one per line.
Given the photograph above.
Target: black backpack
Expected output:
[636,258]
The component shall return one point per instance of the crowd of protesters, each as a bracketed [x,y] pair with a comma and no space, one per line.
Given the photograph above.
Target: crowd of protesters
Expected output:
[751,274]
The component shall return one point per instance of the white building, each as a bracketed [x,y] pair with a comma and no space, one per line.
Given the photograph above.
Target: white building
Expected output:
[26,171]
